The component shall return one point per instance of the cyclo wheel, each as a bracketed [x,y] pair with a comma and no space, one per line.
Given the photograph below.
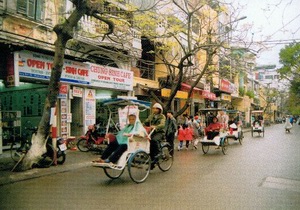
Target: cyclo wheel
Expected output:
[82,145]
[205,148]
[224,146]
[165,161]
[139,166]
[241,136]
[113,173]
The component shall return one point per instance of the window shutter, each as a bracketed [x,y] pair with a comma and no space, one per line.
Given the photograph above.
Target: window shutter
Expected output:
[39,10]
[31,8]
[2,4]
[22,6]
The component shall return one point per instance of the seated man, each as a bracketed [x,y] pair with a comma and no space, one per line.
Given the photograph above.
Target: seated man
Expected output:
[256,121]
[213,129]
[115,149]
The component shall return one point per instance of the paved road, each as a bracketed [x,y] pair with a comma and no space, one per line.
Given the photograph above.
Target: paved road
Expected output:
[263,173]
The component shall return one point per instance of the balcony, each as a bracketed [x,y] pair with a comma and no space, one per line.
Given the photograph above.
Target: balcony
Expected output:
[92,30]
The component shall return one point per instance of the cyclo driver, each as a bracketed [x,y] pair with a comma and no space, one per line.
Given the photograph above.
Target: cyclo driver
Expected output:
[156,121]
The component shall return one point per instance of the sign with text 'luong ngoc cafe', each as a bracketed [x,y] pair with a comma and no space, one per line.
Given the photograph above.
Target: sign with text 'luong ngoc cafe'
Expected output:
[37,66]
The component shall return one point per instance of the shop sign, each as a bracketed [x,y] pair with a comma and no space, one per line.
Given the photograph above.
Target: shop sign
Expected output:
[63,91]
[109,77]
[77,92]
[226,86]
[90,107]
[38,66]
[180,94]
[208,95]
[225,97]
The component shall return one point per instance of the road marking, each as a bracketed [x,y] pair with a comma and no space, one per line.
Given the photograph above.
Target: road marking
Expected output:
[282,184]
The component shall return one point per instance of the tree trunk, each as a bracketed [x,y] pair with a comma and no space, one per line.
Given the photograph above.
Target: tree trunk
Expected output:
[63,32]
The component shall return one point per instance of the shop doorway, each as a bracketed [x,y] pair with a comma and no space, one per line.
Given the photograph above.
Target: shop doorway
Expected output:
[77,128]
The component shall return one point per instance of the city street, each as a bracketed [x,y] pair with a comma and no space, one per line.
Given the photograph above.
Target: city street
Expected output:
[263,173]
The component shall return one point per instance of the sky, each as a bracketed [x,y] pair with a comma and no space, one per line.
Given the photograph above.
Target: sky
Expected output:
[274,23]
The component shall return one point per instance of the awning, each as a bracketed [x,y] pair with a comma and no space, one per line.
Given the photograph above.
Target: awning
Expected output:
[204,93]
[208,95]
[188,87]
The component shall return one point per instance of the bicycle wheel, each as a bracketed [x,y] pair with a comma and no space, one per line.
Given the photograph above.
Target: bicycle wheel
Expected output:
[17,152]
[113,173]
[165,161]
[225,146]
[139,166]
[205,148]
[47,158]
[82,145]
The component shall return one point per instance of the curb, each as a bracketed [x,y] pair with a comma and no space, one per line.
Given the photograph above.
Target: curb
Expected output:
[10,178]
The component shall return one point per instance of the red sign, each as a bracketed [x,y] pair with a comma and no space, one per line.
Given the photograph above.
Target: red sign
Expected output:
[208,95]
[225,86]
[63,89]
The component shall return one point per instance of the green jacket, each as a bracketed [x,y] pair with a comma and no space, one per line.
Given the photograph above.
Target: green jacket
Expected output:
[158,121]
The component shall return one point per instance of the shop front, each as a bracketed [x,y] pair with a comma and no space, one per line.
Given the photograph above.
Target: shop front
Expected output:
[83,85]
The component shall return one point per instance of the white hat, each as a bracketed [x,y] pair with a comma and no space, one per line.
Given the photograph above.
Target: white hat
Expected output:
[158,106]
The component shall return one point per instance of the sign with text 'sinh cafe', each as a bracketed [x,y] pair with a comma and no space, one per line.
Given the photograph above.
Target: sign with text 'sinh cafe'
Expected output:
[37,66]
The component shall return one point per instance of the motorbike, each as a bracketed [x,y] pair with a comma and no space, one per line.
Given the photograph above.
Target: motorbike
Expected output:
[92,140]
[48,157]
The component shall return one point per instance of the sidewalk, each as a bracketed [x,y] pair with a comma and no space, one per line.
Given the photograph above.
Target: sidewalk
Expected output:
[75,159]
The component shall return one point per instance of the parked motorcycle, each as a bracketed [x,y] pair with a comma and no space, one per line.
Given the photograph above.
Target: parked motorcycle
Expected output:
[92,141]
[48,157]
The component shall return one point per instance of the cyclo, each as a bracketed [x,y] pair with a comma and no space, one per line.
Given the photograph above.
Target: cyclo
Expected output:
[219,140]
[136,157]
[257,122]
[235,130]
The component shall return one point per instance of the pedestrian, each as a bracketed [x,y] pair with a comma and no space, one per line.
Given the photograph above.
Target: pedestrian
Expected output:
[170,128]
[195,127]
[156,121]
[189,132]
[288,125]
[181,135]
[223,119]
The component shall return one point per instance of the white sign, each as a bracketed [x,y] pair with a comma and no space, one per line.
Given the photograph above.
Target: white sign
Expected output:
[90,107]
[38,66]
[109,77]
[77,92]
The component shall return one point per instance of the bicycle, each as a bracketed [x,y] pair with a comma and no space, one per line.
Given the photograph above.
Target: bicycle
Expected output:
[164,159]
[23,144]
[47,159]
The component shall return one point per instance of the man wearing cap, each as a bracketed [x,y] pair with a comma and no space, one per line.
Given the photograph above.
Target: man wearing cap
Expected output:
[156,121]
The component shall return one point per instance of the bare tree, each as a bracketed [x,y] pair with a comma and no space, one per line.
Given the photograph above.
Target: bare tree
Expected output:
[64,33]
[186,40]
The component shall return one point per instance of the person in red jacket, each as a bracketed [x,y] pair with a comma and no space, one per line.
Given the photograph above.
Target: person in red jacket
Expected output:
[181,136]
[213,129]
[189,132]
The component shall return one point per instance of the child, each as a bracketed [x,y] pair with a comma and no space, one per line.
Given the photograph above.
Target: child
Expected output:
[181,136]
[189,132]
